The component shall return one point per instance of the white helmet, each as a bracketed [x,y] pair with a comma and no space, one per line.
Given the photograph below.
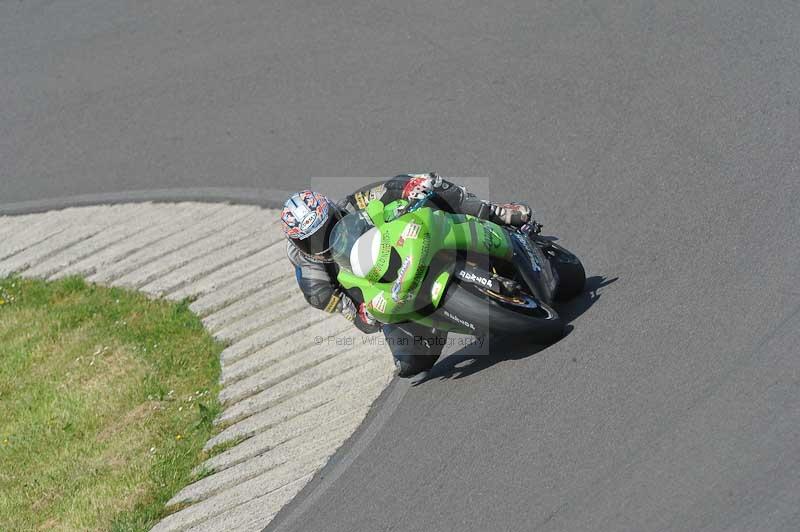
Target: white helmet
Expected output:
[308,218]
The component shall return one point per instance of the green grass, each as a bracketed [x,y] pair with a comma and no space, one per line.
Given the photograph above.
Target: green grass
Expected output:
[107,399]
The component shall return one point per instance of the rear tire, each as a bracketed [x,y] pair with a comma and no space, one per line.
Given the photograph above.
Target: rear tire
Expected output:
[490,313]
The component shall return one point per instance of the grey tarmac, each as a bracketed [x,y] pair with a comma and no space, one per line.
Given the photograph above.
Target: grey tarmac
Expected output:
[658,140]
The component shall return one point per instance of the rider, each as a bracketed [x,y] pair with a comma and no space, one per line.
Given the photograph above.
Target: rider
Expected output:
[308,218]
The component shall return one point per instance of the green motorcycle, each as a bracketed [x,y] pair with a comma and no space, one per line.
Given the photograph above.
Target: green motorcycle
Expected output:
[454,272]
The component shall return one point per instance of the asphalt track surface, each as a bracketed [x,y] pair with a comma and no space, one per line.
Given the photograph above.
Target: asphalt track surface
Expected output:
[659,140]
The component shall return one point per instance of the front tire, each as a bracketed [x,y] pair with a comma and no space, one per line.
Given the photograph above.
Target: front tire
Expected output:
[568,267]
[487,312]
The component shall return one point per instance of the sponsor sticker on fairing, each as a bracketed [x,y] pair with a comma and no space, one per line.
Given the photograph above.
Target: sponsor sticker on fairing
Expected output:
[398,284]
[378,302]
[459,320]
[410,231]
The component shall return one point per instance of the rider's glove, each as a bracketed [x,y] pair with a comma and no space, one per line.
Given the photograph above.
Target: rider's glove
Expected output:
[366,322]
[515,214]
[361,318]
[365,316]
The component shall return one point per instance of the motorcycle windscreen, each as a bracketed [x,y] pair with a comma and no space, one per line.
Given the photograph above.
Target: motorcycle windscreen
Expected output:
[345,237]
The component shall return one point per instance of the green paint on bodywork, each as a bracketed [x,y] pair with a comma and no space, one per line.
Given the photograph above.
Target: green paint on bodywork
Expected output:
[437,289]
[393,209]
[417,237]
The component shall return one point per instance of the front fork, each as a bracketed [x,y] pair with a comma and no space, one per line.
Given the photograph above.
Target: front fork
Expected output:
[472,274]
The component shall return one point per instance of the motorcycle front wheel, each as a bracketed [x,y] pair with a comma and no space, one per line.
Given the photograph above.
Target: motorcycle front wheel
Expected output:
[485,311]
[568,267]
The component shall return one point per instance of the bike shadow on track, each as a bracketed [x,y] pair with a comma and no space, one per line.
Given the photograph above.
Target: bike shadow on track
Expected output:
[473,358]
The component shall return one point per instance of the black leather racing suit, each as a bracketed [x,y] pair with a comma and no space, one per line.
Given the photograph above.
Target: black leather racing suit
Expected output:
[413,346]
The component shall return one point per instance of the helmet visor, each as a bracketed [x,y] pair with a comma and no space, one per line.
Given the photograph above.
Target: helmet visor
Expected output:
[317,245]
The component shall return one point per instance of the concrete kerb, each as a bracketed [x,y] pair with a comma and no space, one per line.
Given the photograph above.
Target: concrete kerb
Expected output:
[290,403]
[264,197]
